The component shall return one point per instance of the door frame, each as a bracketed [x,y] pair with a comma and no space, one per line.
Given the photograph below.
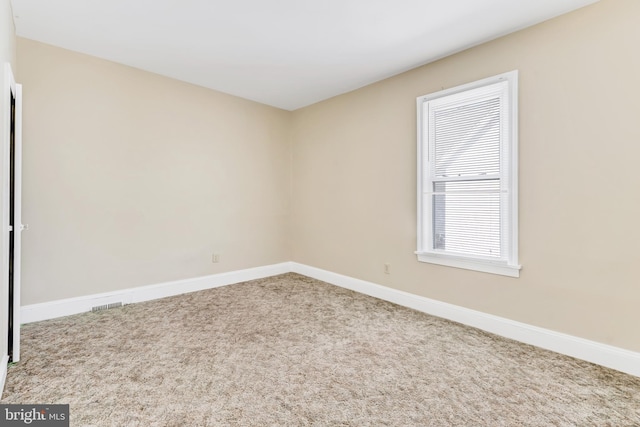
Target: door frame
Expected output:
[15,90]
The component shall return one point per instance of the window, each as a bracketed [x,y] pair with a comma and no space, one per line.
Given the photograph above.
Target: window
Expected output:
[467,176]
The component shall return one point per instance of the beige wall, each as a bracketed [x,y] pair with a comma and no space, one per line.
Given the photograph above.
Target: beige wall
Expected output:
[133,179]
[354,185]
[7,54]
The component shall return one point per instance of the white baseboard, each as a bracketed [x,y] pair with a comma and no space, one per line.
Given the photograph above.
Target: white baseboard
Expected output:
[4,363]
[66,307]
[591,351]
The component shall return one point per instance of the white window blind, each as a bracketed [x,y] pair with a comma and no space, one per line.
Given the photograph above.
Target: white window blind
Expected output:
[466,166]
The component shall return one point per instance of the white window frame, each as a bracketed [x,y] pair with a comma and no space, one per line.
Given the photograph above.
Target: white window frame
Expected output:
[507,265]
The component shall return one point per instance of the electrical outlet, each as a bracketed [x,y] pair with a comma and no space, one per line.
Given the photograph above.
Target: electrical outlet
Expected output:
[215,258]
[387,268]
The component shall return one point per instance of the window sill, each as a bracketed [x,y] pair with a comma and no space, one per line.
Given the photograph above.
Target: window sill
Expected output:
[502,269]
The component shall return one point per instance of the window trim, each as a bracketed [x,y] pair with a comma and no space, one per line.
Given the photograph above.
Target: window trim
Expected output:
[510,266]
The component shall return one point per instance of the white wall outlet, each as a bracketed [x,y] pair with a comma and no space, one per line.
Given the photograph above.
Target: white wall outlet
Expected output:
[215,258]
[387,268]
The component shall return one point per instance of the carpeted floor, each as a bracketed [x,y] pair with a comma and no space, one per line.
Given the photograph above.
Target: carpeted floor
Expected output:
[293,351]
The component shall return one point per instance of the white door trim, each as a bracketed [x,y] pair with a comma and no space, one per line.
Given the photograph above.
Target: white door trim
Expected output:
[16,90]
[18,228]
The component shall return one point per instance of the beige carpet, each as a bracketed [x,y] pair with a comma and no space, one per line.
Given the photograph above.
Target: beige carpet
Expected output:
[293,351]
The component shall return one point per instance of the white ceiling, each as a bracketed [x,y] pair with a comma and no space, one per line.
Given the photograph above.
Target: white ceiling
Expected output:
[285,53]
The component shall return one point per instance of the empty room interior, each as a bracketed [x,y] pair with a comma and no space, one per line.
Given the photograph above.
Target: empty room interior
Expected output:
[313,213]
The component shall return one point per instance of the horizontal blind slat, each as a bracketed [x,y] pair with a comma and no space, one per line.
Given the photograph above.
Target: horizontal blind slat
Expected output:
[467,138]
